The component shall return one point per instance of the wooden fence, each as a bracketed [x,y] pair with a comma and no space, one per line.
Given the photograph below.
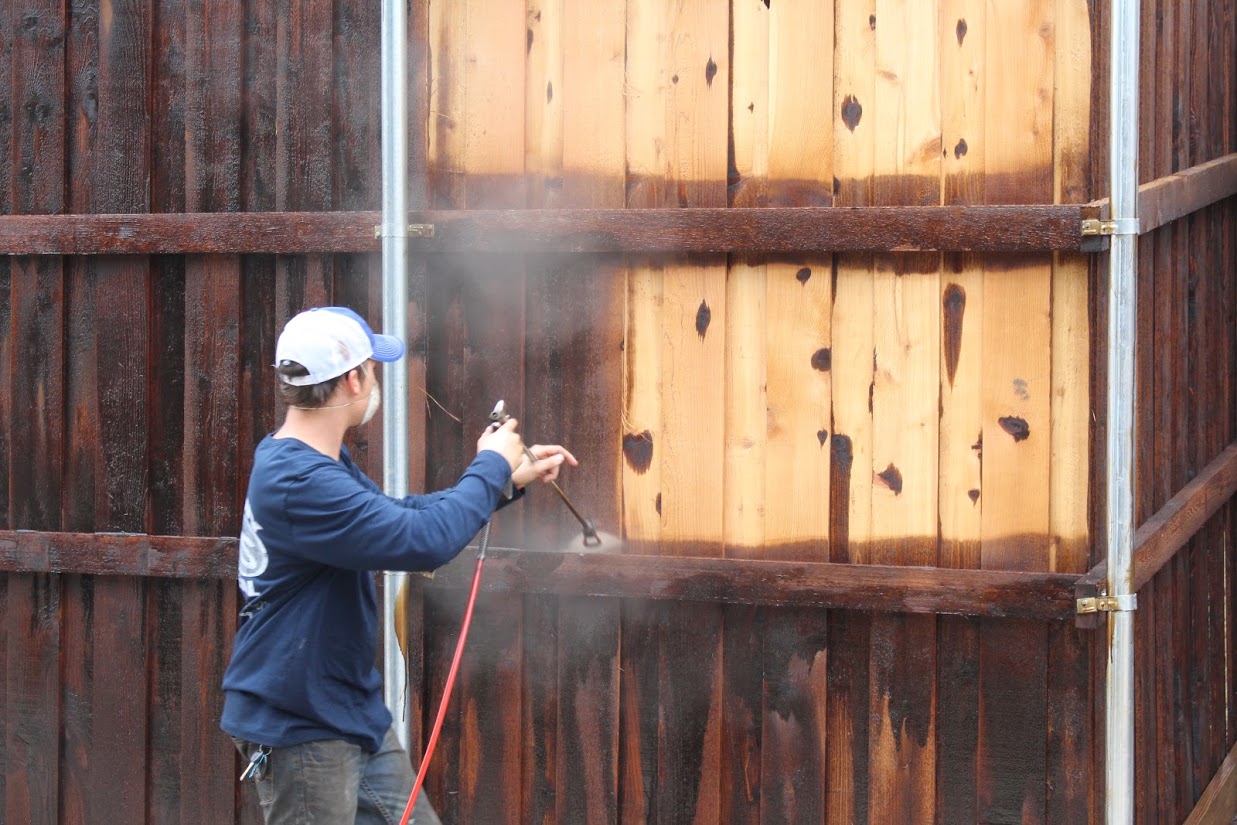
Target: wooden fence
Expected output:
[775,652]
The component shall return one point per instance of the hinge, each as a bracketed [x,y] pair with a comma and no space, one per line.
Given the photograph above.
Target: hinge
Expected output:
[1113,226]
[415,230]
[1108,604]
[1094,226]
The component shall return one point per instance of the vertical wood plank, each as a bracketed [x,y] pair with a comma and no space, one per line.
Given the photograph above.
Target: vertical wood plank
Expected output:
[417,349]
[744,500]
[356,185]
[32,723]
[798,295]
[853,350]
[546,360]
[1017,403]
[446,443]
[110,144]
[167,322]
[593,164]
[492,302]
[693,409]
[905,413]
[303,143]
[6,284]
[32,617]
[795,320]
[104,669]
[258,409]
[640,783]
[37,285]
[1071,757]
[962,36]
[647,165]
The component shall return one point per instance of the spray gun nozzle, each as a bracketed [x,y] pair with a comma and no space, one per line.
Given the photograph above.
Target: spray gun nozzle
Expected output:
[591,539]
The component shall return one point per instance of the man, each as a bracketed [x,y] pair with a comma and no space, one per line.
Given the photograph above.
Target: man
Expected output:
[303,700]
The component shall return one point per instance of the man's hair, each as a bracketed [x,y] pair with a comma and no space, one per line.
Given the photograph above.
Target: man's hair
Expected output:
[310,395]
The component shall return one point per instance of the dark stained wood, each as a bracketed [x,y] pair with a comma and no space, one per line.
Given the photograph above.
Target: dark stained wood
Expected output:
[1012,756]
[35,91]
[1219,800]
[957,719]
[1174,196]
[118,554]
[643,231]
[742,785]
[792,743]
[1160,538]
[997,593]
[38,156]
[104,652]
[848,717]
[32,723]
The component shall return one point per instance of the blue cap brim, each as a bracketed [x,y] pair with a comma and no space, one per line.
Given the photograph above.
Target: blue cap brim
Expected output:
[387,348]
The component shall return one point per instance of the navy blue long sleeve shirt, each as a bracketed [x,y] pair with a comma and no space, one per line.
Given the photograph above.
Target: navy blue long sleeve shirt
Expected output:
[314,528]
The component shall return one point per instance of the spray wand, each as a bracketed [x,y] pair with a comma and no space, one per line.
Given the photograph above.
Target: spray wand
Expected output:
[499,416]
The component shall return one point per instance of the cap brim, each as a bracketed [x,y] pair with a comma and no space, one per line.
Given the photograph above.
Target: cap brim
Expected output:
[387,348]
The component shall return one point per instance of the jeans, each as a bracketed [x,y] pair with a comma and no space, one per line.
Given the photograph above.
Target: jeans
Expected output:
[332,782]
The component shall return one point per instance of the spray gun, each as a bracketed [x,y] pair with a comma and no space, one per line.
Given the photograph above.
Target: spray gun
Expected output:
[499,416]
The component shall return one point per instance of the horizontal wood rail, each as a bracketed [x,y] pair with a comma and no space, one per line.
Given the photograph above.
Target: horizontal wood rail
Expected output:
[1166,199]
[1164,534]
[628,231]
[1048,596]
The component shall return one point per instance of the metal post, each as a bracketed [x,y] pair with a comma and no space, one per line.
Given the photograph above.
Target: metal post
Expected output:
[394,322]
[1122,327]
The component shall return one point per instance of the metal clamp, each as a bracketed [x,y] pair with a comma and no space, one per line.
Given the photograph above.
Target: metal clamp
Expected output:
[1113,226]
[1108,604]
[415,230]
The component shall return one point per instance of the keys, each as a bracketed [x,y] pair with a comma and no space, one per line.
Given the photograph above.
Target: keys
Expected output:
[256,769]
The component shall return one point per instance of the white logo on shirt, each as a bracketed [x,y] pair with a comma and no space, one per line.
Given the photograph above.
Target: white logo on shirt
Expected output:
[252,559]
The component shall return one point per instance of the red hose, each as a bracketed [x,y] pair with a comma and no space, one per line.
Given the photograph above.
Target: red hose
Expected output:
[446,692]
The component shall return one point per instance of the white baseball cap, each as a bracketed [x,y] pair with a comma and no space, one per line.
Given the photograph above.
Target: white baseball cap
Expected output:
[329,341]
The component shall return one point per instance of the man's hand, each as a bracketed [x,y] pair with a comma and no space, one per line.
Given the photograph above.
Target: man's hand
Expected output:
[505,441]
[550,458]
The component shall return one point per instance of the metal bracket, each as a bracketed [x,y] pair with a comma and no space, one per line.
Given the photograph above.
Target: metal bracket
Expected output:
[1108,604]
[1112,226]
[415,230]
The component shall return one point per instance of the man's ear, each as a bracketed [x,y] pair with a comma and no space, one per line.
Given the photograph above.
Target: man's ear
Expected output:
[355,379]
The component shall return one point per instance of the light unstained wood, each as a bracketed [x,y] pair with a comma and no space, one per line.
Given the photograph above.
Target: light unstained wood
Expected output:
[447,38]
[799,293]
[1017,293]
[694,291]
[646,162]
[746,399]
[853,314]
[744,504]
[960,497]
[750,100]
[1071,334]
[543,101]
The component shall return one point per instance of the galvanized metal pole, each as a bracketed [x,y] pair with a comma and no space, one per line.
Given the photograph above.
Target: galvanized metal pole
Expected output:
[394,322]
[1122,329]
